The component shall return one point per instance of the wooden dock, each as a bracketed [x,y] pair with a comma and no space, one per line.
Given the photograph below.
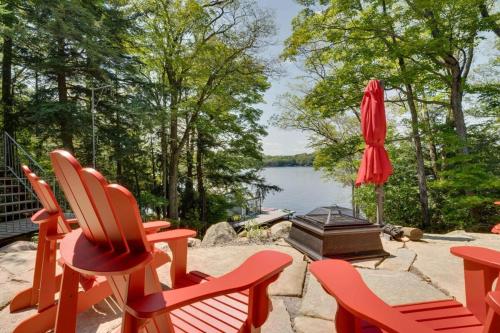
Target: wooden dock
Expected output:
[266,217]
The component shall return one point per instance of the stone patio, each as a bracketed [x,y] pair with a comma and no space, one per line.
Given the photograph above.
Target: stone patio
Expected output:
[419,271]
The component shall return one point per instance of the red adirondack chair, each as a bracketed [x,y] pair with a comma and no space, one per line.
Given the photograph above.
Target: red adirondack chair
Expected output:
[360,310]
[53,226]
[119,249]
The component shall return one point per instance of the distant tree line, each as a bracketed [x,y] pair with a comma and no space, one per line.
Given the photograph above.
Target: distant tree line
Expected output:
[289,160]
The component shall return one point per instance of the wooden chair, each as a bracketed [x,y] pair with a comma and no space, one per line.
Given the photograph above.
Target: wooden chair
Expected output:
[360,310]
[120,250]
[53,226]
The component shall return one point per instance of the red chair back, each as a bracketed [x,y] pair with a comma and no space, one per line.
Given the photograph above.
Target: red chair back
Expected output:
[109,217]
[47,199]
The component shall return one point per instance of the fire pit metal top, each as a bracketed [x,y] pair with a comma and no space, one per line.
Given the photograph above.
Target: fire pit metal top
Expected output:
[332,217]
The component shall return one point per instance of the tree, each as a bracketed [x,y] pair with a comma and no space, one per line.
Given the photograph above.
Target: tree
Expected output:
[189,49]
[422,50]
[7,12]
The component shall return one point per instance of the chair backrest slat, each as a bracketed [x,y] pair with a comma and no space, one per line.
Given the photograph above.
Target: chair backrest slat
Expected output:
[96,185]
[47,198]
[66,168]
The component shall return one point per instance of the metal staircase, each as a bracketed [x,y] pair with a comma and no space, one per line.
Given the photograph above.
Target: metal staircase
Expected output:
[18,202]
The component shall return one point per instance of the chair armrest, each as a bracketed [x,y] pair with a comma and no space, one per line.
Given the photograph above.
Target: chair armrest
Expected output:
[481,268]
[177,242]
[341,280]
[493,300]
[259,268]
[72,221]
[170,235]
[155,226]
[479,255]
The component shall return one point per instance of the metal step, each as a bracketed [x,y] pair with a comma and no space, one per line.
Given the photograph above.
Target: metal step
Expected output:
[12,203]
[20,212]
[11,194]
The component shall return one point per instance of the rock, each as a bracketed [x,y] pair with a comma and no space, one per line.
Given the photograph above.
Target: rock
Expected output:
[282,242]
[435,261]
[281,230]
[448,237]
[278,320]
[317,302]
[400,260]
[400,287]
[194,242]
[242,240]
[244,233]
[219,233]
[370,263]
[19,246]
[313,325]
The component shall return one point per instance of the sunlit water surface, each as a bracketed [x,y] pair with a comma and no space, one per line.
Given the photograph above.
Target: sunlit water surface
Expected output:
[304,189]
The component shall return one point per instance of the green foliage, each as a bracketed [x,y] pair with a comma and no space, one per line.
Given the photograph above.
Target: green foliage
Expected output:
[177,84]
[425,46]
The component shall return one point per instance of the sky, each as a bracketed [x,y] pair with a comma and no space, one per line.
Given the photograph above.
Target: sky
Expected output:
[289,142]
[279,141]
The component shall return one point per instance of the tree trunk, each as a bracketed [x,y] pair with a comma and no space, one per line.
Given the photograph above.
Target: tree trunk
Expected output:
[202,195]
[188,197]
[430,141]
[173,211]
[352,199]
[164,159]
[422,182]
[66,134]
[7,101]
[456,97]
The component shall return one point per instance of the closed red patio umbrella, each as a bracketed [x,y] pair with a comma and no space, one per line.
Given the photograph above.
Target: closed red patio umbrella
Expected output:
[375,166]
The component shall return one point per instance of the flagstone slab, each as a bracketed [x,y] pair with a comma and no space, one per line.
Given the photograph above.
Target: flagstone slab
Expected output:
[400,287]
[442,268]
[217,261]
[400,260]
[435,261]
[278,320]
[316,302]
[313,325]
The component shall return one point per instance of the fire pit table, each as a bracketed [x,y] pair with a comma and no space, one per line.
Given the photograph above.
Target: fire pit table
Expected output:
[333,232]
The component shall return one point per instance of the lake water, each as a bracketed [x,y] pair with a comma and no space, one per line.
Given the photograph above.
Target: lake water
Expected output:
[304,189]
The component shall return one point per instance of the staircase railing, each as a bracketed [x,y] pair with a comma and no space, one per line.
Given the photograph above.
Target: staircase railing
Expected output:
[14,156]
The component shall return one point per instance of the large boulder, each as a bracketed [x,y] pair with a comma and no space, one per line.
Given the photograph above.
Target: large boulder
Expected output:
[281,230]
[194,242]
[218,234]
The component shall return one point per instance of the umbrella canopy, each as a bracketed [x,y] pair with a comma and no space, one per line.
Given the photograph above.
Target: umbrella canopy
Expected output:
[375,166]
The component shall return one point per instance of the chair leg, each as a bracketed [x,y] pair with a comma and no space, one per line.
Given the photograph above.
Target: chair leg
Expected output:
[68,302]
[29,297]
[23,298]
[345,322]
[47,291]
[46,319]
[179,260]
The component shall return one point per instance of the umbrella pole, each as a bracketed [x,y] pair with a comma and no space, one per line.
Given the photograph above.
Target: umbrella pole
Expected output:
[379,192]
